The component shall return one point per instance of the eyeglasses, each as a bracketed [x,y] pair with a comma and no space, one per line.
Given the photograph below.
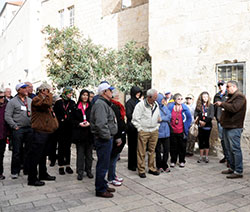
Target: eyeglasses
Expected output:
[179,99]
[1,97]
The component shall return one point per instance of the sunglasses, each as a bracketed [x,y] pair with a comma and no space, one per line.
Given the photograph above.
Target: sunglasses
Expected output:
[220,85]
[228,86]
[179,99]
[1,97]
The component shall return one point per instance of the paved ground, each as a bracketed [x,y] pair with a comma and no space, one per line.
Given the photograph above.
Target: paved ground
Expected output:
[197,187]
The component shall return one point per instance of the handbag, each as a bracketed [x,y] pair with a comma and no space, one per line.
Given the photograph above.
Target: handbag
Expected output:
[193,130]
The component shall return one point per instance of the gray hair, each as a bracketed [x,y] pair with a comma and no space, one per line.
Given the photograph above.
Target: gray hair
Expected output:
[233,82]
[176,96]
[151,92]
[44,86]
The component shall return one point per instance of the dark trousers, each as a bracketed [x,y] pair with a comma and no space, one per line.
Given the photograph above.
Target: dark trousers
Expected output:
[53,141]
[2,150]
[37,156]
[162,162]
[103,151]
[84,151]
[132,148]
[21,137]
[64,147]
[204,136]
[177,148]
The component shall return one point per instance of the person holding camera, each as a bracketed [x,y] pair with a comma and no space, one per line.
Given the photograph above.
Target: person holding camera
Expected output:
[43,123]
[82,136]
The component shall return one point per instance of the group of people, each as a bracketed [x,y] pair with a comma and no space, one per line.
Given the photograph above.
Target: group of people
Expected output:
[157,125]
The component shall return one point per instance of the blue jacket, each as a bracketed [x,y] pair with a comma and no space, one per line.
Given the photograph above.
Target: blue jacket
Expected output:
[186,117]
[164,130]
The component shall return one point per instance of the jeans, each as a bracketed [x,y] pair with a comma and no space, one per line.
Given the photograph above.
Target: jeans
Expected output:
[21,136]
[162,162]
[112,167]
[103,151]
[232,144]
[37,156]
[2,150]
[220,130]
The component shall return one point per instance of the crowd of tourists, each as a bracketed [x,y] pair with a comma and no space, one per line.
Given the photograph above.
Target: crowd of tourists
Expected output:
[41,125]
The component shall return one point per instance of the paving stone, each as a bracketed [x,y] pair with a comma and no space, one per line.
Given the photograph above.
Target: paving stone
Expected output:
[221,208]
[4,203]
[47,201]
[18,207]
[197,205]
[27,199]
[66,204]
[176,207]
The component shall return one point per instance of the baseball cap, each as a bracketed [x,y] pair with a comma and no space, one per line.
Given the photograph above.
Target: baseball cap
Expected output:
[220,82]
[189,96]
[167,92]
[103,87]
[21,85]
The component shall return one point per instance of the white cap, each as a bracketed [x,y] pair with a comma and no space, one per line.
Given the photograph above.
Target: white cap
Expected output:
[103,87]
[21,85]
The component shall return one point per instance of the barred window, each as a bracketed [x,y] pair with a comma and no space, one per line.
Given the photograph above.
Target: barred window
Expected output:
[233,71]
[61,18]
[71,15]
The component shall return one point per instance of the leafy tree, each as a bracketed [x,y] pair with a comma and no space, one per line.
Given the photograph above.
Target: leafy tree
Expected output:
[78,62]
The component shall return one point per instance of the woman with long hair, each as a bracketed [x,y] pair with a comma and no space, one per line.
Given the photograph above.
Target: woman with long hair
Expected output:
[180,123]
[204,112]
[82,135]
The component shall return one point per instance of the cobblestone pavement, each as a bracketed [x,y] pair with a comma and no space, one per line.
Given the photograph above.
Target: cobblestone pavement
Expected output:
[197,187]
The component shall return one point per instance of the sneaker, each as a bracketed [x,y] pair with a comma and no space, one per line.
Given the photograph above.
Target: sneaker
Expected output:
[119,179]
[234,176]
[206,160]
[14,176]
[160,170]
[115,183]
[172,165]
[2,177]
[167,170]
[69,170]
[228,171]
[182,165]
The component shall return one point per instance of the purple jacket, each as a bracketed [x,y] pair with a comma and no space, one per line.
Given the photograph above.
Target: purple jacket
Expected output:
[3,127]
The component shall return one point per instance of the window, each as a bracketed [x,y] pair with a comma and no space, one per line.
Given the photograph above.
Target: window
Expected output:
[71,16]
[233,71]
[126,3]
[61,18]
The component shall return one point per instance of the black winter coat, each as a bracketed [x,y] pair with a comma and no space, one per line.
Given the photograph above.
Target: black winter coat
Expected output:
[80,134]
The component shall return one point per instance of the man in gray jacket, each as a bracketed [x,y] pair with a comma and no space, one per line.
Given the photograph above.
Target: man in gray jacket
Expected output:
[104,126]
[17,115]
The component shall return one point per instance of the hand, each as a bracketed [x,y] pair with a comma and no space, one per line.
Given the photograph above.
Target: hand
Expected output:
[17,128]
[159,119]
[218,103]
[118,141]
[202,123]
[84,124]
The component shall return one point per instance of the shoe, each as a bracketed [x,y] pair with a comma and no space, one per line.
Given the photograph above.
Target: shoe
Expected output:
[61,171]
[14,176]
[79,177]
[206,160]
[90,175]
[228,171]
[48,178]
[119,179]
[52,163]
[160,170]
[69,170]
[115,183]
[182,165]
[189,154]
[142,175]
[2,177]
[167,170]
[172,165]
[223,160]
[199,161]
[105,194]
[234,176]
[132,169]
[153,172]
[110,189]
[228,165]
[36,183]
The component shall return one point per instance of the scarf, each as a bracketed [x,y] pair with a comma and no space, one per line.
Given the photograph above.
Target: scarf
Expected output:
[80,106]
[65,92]
[122,109]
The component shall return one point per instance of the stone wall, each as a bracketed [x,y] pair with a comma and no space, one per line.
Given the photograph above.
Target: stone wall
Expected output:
[188,38]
